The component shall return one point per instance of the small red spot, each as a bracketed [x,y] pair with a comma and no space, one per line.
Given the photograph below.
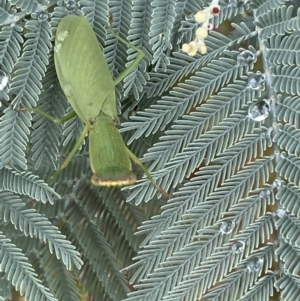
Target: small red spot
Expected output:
[216,10]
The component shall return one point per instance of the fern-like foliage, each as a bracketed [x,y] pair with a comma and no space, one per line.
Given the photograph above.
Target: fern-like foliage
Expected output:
[20,272]
[219,131]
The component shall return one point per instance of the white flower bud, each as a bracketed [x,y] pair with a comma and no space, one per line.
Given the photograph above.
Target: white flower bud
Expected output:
[201,16]
[185,47]
[201,33]
[193,48]
[202,49]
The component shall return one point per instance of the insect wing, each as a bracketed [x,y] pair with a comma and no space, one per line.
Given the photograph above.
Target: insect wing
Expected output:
[82,70]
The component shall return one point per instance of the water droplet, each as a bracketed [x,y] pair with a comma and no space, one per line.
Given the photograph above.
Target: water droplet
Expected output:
[238,247]
[265,134]
[245,58]
[227,227]
[3,80]
[62,36]
[280,213]
[265,193]
[70,5]
[256,81]
[283,155]
[255,264]
[259,111]
[42,16]
[277,183]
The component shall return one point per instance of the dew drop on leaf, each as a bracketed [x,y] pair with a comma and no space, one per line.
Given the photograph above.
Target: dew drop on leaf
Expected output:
[70,5]
[42,16]
[280,213]
[265,134]
[283,155]
[3,80]
[255,264]
[238,247]
[265,193]
[277,183]
[245,58]
[227,227]
[256,81]
[259,111]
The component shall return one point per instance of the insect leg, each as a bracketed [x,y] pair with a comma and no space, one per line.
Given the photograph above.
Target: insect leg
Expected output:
[136,160]
[71,154]
[55,120]
[134,64]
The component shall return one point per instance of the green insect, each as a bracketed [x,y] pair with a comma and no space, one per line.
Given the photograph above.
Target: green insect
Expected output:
[87,83]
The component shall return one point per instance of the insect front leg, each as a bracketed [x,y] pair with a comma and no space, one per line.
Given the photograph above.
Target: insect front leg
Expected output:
[134,64]
[56,120]
[71,154]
